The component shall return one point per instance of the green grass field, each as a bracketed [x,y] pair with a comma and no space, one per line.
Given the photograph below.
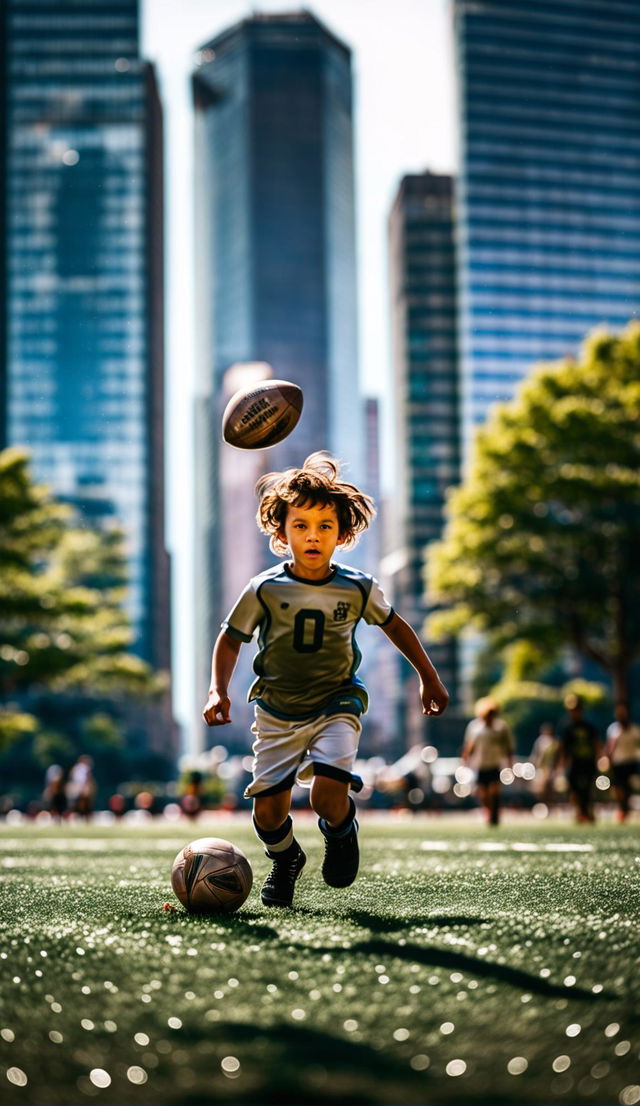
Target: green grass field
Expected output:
[462,967]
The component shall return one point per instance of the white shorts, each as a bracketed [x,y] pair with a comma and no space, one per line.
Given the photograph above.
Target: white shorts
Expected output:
[288,750]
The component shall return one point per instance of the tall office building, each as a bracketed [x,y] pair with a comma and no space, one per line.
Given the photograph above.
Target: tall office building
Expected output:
[423,309]
[276,259]
[84,379]
[549,204]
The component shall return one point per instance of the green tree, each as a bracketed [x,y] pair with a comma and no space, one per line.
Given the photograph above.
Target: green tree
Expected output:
[63,626]
[543,539]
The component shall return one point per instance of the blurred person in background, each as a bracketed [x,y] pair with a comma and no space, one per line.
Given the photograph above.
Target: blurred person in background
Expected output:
[488,747]
[580,748]
[192,799]
[623,752]
[81,787]
[54,795]
[544,754]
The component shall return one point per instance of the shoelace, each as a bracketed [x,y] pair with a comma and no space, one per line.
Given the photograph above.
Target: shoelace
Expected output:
[283,871]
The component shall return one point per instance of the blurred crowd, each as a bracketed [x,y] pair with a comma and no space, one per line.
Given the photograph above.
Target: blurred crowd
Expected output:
[576,769]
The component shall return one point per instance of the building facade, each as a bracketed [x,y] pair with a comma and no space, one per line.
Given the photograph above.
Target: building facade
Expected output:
[84,370]
[276,279]
[422,274]
[548,200]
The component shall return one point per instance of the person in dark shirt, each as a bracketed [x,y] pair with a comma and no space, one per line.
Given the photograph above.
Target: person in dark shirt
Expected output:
[580,747]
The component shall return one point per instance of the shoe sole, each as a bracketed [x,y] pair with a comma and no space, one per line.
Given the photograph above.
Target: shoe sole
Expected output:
[283,902]
[343,883]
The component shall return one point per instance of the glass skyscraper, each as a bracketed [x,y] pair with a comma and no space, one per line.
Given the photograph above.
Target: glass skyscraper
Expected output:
[549,195]
[276,260]
[84,366]
[423,312]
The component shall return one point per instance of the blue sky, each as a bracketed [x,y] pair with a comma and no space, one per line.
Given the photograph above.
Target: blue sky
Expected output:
[404,122]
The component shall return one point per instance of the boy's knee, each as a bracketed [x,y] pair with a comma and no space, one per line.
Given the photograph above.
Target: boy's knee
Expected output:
[271,810]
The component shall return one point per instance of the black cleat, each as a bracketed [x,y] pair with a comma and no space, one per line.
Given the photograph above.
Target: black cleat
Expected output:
[341,857]
[278,887]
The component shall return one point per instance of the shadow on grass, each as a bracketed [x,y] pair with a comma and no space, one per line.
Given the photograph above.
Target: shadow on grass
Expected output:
[294,1064]
[378,924]
[460,961]
[417,954]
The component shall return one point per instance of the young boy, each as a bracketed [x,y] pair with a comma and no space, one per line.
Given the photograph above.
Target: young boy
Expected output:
[307,695]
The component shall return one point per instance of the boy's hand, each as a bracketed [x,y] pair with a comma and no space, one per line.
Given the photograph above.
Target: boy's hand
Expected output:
[216,711]
[435,698]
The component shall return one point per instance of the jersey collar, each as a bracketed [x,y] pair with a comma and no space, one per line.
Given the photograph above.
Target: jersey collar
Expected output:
[314,583]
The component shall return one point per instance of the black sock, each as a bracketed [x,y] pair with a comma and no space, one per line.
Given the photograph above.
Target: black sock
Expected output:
[277,841]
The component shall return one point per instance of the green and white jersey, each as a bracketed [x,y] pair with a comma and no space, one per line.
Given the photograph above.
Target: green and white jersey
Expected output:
[307,654]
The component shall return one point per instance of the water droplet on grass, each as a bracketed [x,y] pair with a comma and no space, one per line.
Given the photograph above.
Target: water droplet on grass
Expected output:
[99,1077]
[517,1065]
[230,1066]
[573,1030]
[141,1039]
[561,1063]
[456,1067]
[446,1028]
[629,1096]
[7,1035]
[137,1075]
[612,1029]
[174,1023]
[17,1076]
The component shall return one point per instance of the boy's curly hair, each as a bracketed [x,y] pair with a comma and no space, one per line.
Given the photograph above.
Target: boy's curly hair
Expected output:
[317,483]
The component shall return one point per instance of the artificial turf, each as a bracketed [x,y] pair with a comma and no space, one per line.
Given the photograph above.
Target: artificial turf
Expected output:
[463,966]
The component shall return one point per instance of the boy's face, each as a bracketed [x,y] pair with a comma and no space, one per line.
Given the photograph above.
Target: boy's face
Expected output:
[312,534]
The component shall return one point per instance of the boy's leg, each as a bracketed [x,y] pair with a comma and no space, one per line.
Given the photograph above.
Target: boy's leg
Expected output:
[493,803]
[337,821]
[273,825]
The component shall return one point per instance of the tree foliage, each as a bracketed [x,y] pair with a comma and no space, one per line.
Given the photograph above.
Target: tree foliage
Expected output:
[543,539]
[63,625]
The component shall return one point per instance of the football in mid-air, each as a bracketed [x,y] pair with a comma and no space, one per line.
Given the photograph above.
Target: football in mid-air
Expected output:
[262,415]
[211,876]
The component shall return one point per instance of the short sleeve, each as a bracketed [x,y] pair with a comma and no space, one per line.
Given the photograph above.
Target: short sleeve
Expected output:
[245,616]
[377,609]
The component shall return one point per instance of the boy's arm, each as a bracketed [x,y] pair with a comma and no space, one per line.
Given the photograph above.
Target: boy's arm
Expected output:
[223,662]
[433,693]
